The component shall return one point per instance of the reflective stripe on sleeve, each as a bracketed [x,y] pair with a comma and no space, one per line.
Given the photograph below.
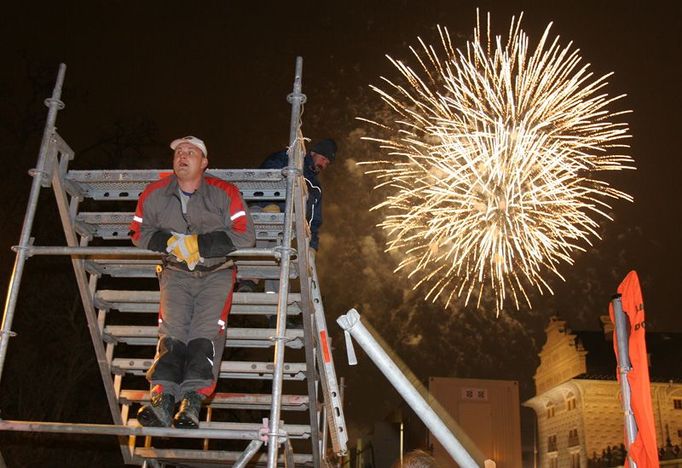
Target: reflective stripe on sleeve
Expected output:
[137,218]
[238,214]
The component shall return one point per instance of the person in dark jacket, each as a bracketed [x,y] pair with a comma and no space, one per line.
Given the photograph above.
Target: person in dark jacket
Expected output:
[320,156]
[196,220]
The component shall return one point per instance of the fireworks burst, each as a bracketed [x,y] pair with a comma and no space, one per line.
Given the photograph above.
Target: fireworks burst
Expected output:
[492,182]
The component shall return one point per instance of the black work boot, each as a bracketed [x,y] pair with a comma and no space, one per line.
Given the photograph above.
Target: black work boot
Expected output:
[158,412]
[187,416]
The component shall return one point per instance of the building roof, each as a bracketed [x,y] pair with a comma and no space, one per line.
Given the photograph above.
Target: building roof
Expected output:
[663,348]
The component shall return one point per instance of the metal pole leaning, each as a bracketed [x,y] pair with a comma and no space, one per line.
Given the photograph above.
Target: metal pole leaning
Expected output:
[624,368]
[296,98]
[54,104]
[334,419]
[248,454]
[351,324]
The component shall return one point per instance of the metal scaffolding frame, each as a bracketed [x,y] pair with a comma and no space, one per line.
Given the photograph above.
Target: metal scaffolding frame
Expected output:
[283,262]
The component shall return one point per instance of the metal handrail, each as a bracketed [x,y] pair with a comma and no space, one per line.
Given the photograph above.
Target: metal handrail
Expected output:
[133,251]
[122,430]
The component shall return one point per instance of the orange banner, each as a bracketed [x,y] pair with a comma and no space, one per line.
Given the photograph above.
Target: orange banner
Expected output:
[644,450]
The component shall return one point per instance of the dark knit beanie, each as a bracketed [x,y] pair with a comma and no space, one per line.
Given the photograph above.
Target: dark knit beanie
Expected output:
[326,148]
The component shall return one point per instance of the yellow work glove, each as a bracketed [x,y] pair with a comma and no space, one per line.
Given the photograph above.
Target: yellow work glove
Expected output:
[271,208]
[194,260]
[185,247]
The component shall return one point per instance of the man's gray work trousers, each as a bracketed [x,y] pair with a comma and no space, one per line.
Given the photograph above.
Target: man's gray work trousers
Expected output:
[193,313]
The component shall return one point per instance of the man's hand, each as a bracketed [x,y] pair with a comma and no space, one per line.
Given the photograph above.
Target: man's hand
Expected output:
[185,247]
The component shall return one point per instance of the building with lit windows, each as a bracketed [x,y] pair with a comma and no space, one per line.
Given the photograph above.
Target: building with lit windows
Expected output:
[579,414]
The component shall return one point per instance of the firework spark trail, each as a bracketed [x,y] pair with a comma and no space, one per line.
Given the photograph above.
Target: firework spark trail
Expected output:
[492,181]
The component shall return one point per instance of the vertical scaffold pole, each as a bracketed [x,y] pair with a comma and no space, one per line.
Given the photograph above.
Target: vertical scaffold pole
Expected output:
[295,168]
[624,368]
[54,105]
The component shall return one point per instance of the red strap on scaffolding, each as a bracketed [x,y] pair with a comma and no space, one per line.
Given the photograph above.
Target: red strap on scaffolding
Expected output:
[644,450]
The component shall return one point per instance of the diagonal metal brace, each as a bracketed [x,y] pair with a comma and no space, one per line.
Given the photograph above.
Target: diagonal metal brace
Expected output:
[248,454]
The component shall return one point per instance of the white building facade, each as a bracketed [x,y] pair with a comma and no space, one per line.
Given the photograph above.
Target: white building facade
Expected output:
[579,414]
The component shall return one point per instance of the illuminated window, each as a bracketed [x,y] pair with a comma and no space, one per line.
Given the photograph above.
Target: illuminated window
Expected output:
[573,438]
[551,443]
[475,394]
[550,410]
[677,403]
[575,460]
[570,402]
[554,462]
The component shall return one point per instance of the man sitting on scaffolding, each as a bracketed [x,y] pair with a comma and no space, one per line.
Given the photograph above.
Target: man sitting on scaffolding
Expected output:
[196,220]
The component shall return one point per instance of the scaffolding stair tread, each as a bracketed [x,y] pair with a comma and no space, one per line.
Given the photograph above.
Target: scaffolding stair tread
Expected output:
[213,457]
[143,335]
[254,184]
[146,268]
[293,431]
[253,401]
[116,225]
[148,301]
[228,369]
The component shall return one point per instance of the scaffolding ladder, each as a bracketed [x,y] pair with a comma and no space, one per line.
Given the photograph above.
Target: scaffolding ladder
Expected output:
[120,298]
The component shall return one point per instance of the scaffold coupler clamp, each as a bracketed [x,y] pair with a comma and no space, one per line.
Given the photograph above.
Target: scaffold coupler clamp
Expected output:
[347,322]
[33,172]
[281,338]
[10,333]
[6,333]
[291,171]
[24,248]
[279,250]
[264,433]
[57,102]
[292,96]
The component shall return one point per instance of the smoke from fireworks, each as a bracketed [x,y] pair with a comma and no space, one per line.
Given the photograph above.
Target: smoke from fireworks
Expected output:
[492,181]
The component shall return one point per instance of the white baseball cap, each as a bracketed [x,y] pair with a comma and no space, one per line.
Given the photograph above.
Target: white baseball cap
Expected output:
[191,140]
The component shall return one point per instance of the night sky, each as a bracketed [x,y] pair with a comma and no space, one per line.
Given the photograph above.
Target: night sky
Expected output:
[222,71]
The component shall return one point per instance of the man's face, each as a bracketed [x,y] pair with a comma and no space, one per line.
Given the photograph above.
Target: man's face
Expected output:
[320,162]
[188,162]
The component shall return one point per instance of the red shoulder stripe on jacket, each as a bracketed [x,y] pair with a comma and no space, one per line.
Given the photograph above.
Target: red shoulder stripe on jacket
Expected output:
[138,219]
[237,208]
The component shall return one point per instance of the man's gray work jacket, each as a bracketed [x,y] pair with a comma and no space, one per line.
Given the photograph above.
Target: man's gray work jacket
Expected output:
[216,212]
